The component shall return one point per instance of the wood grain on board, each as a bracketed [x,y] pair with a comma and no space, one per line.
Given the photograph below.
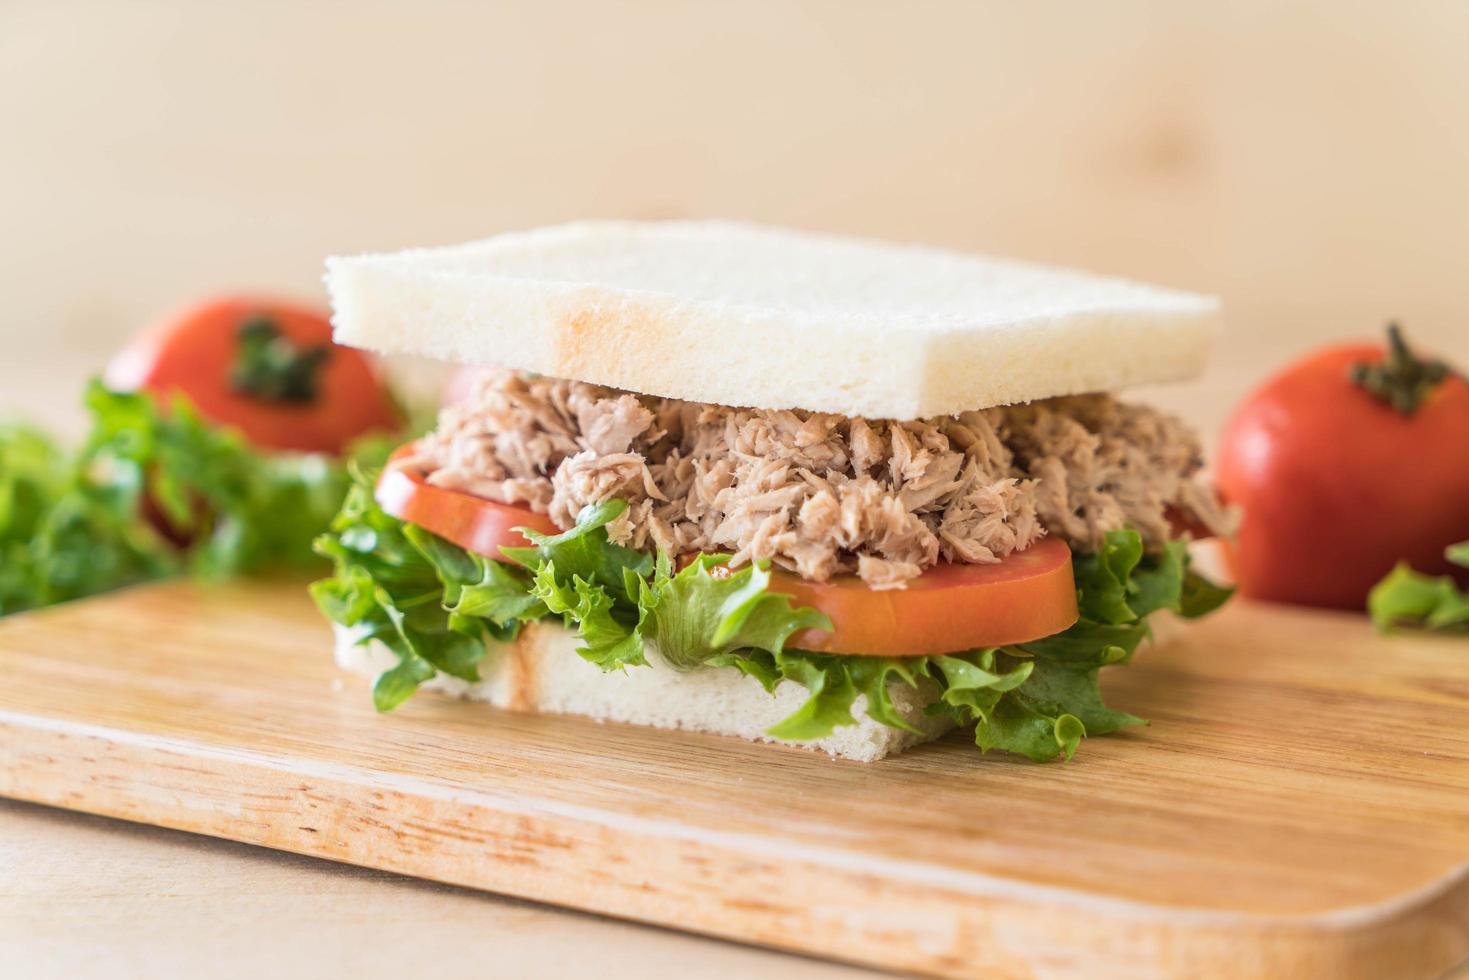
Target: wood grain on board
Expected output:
[1300,805]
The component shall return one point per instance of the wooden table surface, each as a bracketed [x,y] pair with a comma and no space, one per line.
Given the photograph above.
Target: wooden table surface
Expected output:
[83,896]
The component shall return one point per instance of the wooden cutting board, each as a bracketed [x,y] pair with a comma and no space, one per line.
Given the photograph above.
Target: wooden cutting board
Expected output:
[1300,806]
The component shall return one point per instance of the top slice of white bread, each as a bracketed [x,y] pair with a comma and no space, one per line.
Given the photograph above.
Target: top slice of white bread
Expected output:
[750,316]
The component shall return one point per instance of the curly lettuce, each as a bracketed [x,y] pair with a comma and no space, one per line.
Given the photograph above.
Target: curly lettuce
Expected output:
[77,523]
[423,596]
[431,603]
[63,534]
[1433,602]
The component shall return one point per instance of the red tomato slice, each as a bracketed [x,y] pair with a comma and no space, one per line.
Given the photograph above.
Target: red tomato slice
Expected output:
[473,523]
[949,608]
[195,352]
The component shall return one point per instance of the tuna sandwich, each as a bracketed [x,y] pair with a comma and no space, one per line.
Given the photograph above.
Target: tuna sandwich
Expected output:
[832,493]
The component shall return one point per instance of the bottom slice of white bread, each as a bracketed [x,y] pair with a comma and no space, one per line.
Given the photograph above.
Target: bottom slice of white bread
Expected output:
[541,672]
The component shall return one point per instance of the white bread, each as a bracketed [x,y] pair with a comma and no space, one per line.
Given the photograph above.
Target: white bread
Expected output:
[743,315]
[541,672]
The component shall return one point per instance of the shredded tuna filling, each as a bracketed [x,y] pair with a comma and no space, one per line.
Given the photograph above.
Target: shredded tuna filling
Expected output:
[823,494]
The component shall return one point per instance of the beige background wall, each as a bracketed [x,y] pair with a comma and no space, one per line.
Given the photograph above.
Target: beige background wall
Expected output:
[1307,161]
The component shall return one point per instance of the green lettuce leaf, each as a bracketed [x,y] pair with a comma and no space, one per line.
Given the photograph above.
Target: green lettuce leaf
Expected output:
[500,595]
[1036,730]
[1118,588]
[585,551]
[1409,598]
[609,642]
[1104,582]
[706,611]
[399,585]
[240,510]
[997,692]
[74,524]
[873,678]
[65,534]
[478,591]
[1068,691]
[829,706]
[1200,597]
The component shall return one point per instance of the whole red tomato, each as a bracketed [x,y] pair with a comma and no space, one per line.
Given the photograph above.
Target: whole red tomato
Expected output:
[263,366]
[1340,471]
